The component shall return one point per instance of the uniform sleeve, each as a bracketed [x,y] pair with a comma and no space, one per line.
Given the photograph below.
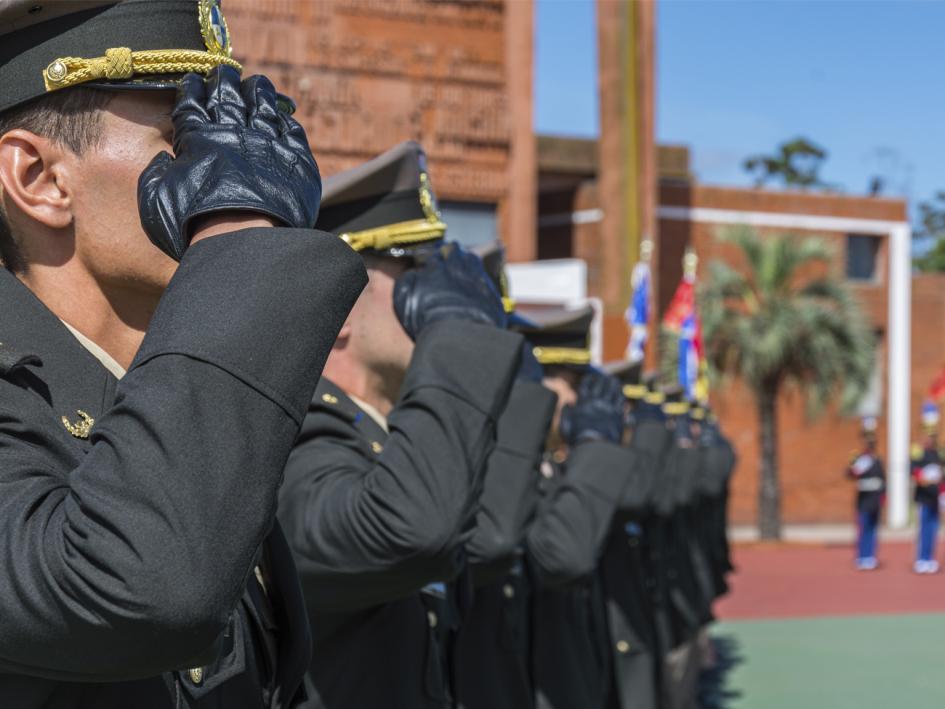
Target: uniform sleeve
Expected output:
[130,564]
[508,499]
[566,538]
[366,531]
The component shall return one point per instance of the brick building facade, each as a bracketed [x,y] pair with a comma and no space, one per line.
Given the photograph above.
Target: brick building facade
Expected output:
[454,75]
[457,76]
[813,454]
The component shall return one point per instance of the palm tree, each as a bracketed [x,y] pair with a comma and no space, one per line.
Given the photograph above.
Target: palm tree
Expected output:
[784,320]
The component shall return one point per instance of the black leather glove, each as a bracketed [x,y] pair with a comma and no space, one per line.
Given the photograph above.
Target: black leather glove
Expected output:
[235,151]
[450,285]
[598,413]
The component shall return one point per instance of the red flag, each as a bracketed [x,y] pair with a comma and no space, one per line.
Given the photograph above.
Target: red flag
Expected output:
[937,387]
[682,306]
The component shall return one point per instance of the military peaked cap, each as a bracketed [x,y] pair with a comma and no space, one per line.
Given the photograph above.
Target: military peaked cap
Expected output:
[675,401]
[51,45]
[385,205]
[560,336]
[630,375]
[493,261]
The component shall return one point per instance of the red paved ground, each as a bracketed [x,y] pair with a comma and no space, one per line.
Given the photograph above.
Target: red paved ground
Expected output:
[791,581]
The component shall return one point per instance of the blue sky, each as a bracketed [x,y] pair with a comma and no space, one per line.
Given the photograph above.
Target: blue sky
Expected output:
[865,80]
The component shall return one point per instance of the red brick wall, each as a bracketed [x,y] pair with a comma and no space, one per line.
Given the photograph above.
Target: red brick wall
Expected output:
[813,453]
[368,74]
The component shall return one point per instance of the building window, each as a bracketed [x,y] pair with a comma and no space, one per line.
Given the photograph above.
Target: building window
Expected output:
[469,223]
[862,257]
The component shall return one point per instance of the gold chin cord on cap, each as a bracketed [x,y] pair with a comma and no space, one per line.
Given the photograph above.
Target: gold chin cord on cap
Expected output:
[634,391]
[562,355]
[121,63]
[400,234]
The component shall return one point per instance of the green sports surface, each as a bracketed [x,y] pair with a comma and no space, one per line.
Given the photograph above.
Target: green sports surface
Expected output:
[857,662]
[802,629]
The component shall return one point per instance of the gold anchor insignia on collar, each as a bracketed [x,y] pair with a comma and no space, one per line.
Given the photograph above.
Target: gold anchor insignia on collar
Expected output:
[82,428]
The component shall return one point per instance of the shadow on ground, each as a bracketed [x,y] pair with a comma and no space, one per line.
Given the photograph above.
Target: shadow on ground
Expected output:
[714,692]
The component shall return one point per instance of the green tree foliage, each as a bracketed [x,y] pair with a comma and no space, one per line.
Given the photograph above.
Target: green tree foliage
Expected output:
[932,224]
[784,320]
[796,163]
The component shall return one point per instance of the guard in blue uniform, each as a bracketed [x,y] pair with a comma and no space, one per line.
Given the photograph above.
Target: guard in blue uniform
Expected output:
[927,474]
[867,470]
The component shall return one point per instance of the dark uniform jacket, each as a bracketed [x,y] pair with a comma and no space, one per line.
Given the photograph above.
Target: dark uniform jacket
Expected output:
[718,463]
[571,653]
[493,658]
[927,471]
[128,556]
[870,475]
[629,587]
[373,517]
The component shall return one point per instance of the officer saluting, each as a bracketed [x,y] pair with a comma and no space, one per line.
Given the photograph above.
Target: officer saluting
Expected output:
[383,486]
[147,407]
[584,477]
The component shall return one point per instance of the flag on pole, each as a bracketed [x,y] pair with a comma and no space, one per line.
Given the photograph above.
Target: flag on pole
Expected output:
[638,312]
[682,317]
[937,387]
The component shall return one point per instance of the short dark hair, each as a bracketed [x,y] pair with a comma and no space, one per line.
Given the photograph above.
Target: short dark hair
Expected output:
[70,117]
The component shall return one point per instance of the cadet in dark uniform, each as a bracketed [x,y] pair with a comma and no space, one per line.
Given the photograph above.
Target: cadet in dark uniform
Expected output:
[627,579]
[382,488]
[146,415]
[689,588]
[718,463]
[867,470]
[493,649]
[583,478]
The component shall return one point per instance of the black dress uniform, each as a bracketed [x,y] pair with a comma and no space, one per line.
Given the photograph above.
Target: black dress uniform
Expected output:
[718,464]
[133,513]
[493,657]
[493,649]
[627,580]
[571,644]
[378,521]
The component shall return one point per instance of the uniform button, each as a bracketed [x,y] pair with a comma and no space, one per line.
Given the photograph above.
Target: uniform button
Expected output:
[196,675]
[432,619]
[376,447]
[508,591]
[623,647]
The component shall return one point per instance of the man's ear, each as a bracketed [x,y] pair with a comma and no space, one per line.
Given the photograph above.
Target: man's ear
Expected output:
[344,335]
[32,177]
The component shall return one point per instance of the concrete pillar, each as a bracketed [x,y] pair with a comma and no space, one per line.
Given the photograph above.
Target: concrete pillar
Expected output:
[627,172]
[518,216]
[899,405]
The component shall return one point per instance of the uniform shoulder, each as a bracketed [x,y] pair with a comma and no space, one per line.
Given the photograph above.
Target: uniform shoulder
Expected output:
[332,416]
[330,399]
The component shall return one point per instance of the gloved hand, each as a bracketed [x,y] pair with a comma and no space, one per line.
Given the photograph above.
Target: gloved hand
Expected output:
[598,413]
[235,151]
[453,286]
